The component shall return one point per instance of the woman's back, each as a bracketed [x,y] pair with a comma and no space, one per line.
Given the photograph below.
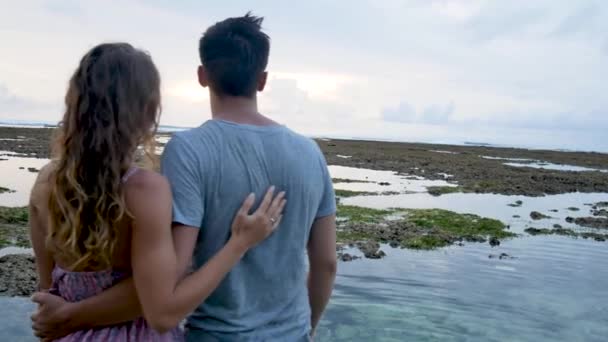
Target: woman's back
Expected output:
[74,286]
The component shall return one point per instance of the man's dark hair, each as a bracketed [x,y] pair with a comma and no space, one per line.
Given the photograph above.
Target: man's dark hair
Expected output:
[235,54]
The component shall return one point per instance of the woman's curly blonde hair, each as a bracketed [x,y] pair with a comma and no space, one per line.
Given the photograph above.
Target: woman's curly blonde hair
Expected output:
[112,108]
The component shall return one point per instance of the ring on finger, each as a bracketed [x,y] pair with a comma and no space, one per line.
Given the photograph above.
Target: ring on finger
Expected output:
[273,220]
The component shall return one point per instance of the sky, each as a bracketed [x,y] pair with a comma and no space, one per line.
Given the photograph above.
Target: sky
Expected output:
[519,72]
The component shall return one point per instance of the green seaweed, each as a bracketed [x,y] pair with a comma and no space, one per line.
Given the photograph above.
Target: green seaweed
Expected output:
[460,224]
[346,180]
[567,232]
[14,235]
[14,227]
[441,190]
[349,193]
[425,242]
[421,229]
[16,215]
[350,236]
[3,190]
[361,214]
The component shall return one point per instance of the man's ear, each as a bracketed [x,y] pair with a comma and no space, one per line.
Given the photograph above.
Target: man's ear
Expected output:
[262,81]
[203,80]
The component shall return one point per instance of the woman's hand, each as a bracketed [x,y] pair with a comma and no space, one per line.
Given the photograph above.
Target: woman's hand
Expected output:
[250,229]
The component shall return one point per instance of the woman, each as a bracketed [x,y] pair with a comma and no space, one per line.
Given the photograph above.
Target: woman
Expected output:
[91,207]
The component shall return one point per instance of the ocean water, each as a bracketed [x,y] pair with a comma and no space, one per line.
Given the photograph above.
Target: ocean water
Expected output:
[551,288]
[555,290]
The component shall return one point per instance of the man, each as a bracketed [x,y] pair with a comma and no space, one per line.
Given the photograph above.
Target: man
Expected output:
[269,295]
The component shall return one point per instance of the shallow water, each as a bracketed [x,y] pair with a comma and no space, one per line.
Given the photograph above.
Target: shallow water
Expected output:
[373,178]
[14,178]
[540,164]
[15,250]
[554,289]
[557,167]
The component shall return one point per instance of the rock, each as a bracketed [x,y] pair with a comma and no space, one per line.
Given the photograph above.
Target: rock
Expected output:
[553,210]
[536,231]
[505,256]
[557,226]
[394,244]
[368,247]
[500,256]
[573,209]
[475,238]
[377,255]
[17,275]
[599,212]
[569,219]
[346,257]
[517,203]
[592,222]
[535,215]
[384,183]
[21,168]
[494,241]
[516,216]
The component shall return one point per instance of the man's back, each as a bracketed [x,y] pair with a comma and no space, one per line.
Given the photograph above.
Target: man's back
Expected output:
[212,169]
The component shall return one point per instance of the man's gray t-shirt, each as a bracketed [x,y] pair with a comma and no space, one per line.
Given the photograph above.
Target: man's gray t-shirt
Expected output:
[211,170]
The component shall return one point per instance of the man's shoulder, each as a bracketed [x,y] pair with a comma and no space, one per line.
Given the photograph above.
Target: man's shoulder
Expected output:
[191,138]
[190,133]
[303,140]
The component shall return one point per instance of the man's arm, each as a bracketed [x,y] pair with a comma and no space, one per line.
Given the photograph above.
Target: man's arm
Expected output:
[57,318]
[184,238]
[323,264]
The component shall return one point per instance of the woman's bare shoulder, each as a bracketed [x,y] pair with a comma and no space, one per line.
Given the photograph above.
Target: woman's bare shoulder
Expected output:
[146,183]
[40,190]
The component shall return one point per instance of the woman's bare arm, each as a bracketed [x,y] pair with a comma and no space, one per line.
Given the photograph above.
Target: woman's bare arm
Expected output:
[57,318]
[165,300]
[38,214]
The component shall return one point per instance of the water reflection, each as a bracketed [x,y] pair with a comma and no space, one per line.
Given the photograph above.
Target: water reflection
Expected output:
[14,175]
[553,291]
[381,181]
[557,167]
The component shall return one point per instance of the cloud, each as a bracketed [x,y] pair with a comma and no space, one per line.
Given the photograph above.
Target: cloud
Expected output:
[433,114]
[512,65]
[582,19]
[16,107]
[436,114]
[403,113]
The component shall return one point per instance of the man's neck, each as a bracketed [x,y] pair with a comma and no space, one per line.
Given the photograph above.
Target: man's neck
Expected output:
[240,110]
